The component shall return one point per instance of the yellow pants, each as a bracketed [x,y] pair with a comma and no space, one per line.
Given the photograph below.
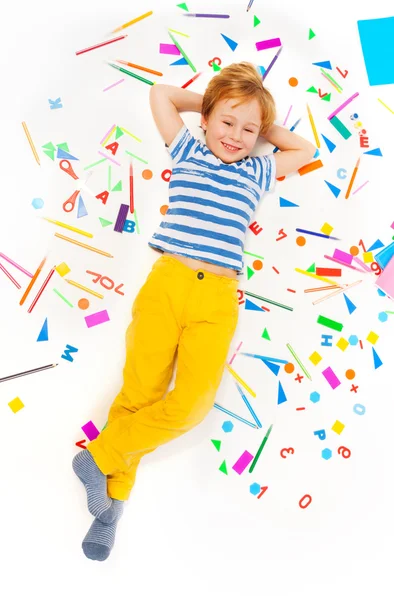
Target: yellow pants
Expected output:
[177,309]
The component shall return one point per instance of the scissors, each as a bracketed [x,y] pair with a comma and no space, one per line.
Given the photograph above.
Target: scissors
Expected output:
[65,166]
[69,204]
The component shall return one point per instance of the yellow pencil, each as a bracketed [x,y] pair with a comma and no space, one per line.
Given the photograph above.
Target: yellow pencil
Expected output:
[63,237]
[352,180]
[148,14]
[85,289]
[90,235]
[325,279]
[31,142]
[313,127]
[241,381]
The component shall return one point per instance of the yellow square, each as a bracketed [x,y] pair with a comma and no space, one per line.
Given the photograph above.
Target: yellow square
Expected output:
[368,257]
[372,337]
[326,229]
[342,344]
[16,404]
[315,358]
[338,427]
[63,269]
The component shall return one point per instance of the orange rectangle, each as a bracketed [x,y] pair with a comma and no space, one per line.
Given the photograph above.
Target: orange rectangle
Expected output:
[326,272]
[316,164]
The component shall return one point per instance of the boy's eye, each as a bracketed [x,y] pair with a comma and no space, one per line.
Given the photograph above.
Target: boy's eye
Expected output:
[226,123]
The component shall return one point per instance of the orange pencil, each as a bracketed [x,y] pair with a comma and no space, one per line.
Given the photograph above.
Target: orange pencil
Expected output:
[129,64]
[33,149]
[148,14]
[36,274]
[131,189]
[352,179]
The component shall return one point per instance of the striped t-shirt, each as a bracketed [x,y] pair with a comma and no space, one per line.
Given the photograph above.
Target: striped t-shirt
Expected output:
[211,203]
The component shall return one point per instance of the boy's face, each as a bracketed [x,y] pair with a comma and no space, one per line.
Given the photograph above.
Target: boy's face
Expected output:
[236,127]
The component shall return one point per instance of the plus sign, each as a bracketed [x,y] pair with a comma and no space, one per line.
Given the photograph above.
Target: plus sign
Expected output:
[354,388]
[299,377]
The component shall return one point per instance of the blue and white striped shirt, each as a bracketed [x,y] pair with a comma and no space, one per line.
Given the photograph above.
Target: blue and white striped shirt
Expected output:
[211,203]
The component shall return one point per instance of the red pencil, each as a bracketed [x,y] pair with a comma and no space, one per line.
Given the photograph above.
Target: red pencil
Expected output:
[10,277]
[121,37]
[131,189]
[51,272]
[191,80]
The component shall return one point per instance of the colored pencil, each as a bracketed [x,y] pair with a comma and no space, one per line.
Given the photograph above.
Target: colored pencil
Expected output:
[268,300]
[241,381]
[36,274]
[187,59]
[85,289]
[342,289]
[322,235]
[214,16]
[130,73]
[31,371]
[228,412]
[80,231]
[185,85]
[352,179]
[148,14]
[10,277]
[259,451]
[31,142]
[317,140]
[15,264]
[249,5]
[325,287]
[129,64]
[131,179]
[248,405]
[299,362]
[291,129]
[121,37]
[42,288]
[63,237]
[272,63]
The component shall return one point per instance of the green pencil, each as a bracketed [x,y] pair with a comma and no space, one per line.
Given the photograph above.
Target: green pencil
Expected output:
[268,300]
[183,53]
[259,451]
[131,74]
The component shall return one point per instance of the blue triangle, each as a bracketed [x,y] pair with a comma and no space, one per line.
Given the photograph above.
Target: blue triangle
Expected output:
[181,61]
[43,336]
[272,367]
[82,212]
[375,152]
[336,191]
[376,360]
[350,306]
[230,42]
[330,145]
[252,306]
[325,64]
[376,245]
[281,395]
[63,154]
[283,203]
[381,292]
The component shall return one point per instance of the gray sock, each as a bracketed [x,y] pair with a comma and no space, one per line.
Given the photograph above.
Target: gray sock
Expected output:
[95,482]
[100,538]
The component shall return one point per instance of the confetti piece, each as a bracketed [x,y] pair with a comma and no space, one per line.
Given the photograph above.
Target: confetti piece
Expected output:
[243,461]
[376,359]
[266,44]
[350,306]
[372,337]
[43,335]
[331,378]
[121,37]
[315,358]
[342,106]
[350,374]
[248,405]
[317,164]
[342,344]
[223,468]
[338,427]
[217,444]
[328,272]
[37,203]
[329,323]
[281,394]
[326,340]
[334,189]
[90,430]
[97,318]
[67,353]
[15,405]
[375,38]
[326,229]
[283,203]
[340,127]
[272,366]
[265,335]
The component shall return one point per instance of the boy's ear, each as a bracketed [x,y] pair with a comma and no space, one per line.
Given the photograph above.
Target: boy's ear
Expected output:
[203,123]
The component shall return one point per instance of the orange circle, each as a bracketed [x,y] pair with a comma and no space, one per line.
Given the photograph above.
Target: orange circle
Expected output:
[350,374]
[289,368]
[301,241]
[163,209]
[354,250]
[83,303]
[257,265]
[147,174]
[293,81]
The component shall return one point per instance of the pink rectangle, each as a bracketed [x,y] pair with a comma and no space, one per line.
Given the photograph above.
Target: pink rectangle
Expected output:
[97,318]
[169,49]
[90,430]
[331,377]
[392,225]
[385,281]
[266,44]
[242,462]
[343,256]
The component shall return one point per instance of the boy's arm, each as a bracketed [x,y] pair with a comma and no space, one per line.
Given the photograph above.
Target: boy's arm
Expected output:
[166,101]
[296,151]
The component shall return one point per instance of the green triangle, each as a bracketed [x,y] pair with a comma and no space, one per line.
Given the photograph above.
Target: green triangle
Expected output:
[183,6]
[216,67]
[312,269]
[50,153]
[250,272]
[256,21]
[217,444]
[223,468]
[313,90]
[327,98]
[49,146]
[311,34]
[104,222]
[118,187]
[63,146]
[118,133]
[266,335]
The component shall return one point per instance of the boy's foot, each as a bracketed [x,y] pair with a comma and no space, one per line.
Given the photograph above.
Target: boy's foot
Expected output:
[95,482]
[100,538]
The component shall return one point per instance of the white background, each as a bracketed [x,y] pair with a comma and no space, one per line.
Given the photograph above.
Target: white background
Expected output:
[188,530]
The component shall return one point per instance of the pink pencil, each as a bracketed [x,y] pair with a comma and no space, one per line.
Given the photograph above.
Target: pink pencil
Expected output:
[15,264]
[121,37]
[51,272]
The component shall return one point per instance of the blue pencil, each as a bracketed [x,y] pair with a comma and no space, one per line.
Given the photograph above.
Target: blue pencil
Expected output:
[274,360]
[323,235]
[291,129]
[244,398]
[228,412]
